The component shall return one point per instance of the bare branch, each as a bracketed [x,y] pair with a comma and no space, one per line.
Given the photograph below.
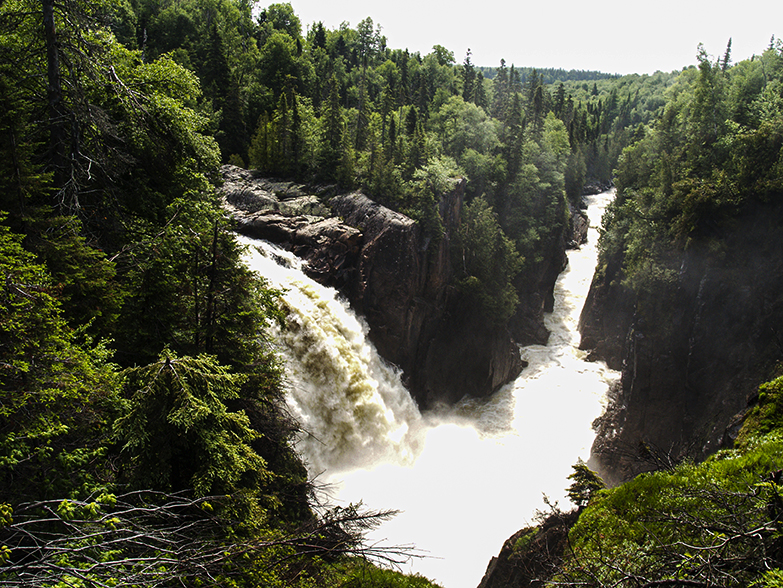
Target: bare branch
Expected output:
[150,539]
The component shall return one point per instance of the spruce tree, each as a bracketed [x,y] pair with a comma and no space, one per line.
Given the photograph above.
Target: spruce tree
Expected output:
[468,79]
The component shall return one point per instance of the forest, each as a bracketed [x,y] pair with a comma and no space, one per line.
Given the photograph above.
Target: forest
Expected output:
[144,435]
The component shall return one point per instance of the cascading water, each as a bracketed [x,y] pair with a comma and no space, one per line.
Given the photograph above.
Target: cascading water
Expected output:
[464,480]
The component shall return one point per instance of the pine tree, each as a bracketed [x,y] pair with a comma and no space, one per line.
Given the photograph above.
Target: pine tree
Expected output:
[177,432]
[331,154]
[479,93]
[585,483]
[468,79]
[56,395]
[319,38]
[260,152]
[500,87]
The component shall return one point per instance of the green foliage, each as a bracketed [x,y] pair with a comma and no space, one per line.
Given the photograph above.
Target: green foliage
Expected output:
[717,522]
[715,149]
[56,395]
[766,415]
[460,125]
[488,262]
[191,291]
[178,433]
[87,289]
[771,579]
[358,574]
[585,484]
[521,544]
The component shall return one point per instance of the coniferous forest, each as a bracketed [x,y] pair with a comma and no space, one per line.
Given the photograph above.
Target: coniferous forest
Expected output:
[144,435]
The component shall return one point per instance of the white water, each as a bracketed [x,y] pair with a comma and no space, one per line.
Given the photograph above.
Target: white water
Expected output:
[465,480]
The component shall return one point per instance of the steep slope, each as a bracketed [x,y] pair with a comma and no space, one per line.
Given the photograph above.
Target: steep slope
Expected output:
[693,351]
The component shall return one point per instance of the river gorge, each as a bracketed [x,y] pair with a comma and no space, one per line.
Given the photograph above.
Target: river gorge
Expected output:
[465,477]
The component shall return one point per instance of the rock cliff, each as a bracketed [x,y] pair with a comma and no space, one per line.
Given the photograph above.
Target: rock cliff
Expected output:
[692,353]
[393,274]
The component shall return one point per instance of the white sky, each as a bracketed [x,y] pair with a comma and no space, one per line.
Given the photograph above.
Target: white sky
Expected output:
[613,36]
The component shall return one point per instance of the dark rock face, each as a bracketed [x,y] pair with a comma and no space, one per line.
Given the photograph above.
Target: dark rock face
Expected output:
[536,288]
[400,281]
[531,556]
[402,288]
[580,223]
[693,353]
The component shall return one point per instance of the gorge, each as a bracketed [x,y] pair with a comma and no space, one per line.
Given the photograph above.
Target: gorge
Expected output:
[416,334]
[464,477]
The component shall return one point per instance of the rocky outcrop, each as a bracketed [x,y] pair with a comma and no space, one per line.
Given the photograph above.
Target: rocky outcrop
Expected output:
[691,353]
[580,223]
[531,557]
[393,274]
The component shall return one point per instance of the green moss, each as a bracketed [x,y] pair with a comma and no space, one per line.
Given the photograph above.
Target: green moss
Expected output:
[525,540]
[766,415]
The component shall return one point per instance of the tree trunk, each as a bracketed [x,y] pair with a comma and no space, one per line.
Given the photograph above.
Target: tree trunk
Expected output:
[57,127]
[210,310]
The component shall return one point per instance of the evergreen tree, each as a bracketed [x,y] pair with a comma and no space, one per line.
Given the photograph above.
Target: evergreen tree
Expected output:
[177,432]
[500,91]
[319,39]
[331,133]
[468,79]
[56,395]
[479,94]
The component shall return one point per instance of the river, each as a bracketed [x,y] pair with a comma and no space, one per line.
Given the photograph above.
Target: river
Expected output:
[466,479]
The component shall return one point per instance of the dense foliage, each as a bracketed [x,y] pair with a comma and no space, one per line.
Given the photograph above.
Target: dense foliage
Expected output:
[714,151]
[143,434]
[341,106]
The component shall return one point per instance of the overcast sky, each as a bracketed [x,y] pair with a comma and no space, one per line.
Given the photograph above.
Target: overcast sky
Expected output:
[613,36]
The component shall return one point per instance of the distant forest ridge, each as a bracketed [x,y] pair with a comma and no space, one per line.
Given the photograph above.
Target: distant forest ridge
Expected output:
[553,75]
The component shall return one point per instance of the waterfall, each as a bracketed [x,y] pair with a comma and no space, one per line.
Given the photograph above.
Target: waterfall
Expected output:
[352,405]
[465,479]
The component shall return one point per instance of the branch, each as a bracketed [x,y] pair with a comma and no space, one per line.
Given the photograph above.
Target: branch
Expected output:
[150,538]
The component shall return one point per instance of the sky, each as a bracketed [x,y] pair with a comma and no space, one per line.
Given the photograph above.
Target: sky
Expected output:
[612,36]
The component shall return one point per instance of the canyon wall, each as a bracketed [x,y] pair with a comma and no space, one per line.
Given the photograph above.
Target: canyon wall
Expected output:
[692,352]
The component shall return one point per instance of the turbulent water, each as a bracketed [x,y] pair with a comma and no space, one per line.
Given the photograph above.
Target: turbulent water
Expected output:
[464,480]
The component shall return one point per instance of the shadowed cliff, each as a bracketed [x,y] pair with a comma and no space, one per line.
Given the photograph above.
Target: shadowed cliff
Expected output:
[692,350]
